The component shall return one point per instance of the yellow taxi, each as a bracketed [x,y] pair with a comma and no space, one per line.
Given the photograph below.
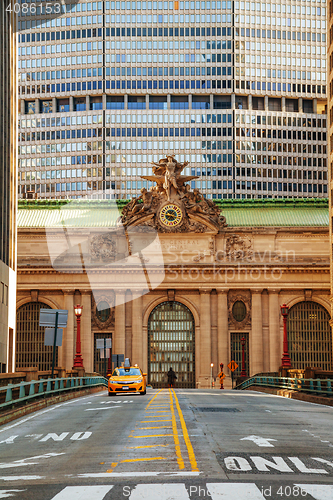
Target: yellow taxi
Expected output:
[127,379]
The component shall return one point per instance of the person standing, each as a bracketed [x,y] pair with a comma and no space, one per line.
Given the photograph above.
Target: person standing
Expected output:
[172,377]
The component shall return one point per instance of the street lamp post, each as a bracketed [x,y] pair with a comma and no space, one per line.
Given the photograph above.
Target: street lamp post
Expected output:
[285,357]
[78,361]
[211,375]
[243,372]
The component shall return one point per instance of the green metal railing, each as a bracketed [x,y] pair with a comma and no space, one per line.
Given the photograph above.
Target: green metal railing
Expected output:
[317,386]
[25,392]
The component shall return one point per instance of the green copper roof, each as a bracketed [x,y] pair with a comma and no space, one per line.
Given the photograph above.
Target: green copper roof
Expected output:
[299,212]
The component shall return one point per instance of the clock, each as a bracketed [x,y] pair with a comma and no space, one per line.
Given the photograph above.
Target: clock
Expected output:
[171,215]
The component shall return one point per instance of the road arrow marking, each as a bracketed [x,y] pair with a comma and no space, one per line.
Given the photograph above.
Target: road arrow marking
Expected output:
[28,461]
[260,441]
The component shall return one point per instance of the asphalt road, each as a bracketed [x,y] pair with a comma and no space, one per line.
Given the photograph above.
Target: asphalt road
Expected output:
[170,445]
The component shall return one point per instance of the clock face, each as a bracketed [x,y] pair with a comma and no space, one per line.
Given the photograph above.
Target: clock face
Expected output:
[171,215]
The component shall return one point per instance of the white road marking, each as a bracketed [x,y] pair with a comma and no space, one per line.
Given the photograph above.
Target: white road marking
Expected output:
[41,412]
[27,461]
[54,436]
[323,461]
[134,474]
[318,491]
[80,436]
[260,441]
[83,492]
[104,408]
[265,465]
[234,491]
[237,463]
[9,493]
[9,440]
[21,478]
[161,491]
[302,467]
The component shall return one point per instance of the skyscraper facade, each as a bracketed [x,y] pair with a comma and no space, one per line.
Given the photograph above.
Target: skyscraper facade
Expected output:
[8,186]
[237,89]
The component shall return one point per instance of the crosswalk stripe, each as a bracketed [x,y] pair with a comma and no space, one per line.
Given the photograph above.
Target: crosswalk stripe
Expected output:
[318,491]
[165,491]
[83,493]
[234,491]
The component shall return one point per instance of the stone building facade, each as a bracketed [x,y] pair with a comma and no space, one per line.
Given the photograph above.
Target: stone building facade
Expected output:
[181,299]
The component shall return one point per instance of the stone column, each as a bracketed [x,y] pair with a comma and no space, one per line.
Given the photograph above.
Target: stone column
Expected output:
[256,341]
[205,338]
[147,101]
[168,101]
[54,104]
[137,347]
[315,102]
[87,341]
[249,101]
[300,105]
[211,101]
[118,341]
[104,101]
[214,344]
[126,101]
[222,328]
[68,335]
[190,101]
[266,102]
[71,104]
[274,331]
[283,104]
[87,103]
[265,330]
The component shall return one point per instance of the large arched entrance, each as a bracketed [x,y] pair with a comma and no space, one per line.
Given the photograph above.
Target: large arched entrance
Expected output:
[30,348]
[171,344]
[309,336]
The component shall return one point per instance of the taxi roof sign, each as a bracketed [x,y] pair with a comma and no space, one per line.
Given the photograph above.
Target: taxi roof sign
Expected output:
[232,365]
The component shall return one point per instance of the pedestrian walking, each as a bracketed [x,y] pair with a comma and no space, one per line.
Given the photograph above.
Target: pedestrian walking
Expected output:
[171,378]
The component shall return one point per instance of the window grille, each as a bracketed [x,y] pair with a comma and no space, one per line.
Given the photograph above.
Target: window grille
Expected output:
[236,352]
[309,336]
[171,344]
[30,348]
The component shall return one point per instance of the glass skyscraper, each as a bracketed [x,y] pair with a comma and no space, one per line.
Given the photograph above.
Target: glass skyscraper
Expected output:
[238,89]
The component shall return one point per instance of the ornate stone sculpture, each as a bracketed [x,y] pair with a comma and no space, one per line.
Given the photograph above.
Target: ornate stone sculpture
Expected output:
[170,205]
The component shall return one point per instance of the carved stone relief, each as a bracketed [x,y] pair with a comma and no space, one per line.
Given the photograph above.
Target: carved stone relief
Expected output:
[103,248]
[239,247]
[245,297]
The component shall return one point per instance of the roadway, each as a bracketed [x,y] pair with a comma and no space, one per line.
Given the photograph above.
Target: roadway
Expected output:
[170,445]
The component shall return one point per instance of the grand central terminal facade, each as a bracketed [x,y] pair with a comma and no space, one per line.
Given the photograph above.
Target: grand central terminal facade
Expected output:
[176,280]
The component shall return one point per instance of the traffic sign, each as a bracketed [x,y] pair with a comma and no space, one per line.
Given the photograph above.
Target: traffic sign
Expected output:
[232,365]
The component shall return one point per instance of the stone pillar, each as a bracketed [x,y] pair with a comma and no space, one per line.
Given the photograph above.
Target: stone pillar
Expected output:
[266,102]
[214,345]
[300,105]
[256,341]
[37,105]
[222,328]
[233,101]
[128,325]
[283,101]
[205,338]
[118,341]
[265,330]
[147,101]
[54,104]
[211,101]
[104,101]
[87,103]
[249,102]
[126,101]
[315,102]
[87,341]
[71,104]
[137,347]
[22,107]
[68,335]
[274,331]
[168,101]
[190,101]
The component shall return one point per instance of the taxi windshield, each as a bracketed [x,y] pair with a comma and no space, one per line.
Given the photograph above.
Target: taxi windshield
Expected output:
[128,372]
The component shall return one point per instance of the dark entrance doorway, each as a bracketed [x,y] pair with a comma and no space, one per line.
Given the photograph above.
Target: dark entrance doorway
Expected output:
[171,344]
[236,352]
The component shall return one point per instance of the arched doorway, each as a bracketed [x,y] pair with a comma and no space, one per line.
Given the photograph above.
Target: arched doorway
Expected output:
[171,343]
[309,336]
[30,348]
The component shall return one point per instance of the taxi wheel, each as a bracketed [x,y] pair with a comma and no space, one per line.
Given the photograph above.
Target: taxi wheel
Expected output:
[143,393]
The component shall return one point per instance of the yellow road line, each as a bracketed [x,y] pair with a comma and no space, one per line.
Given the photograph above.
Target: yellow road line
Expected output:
[175,435]
[153,421]
[151,436]
[187,440]
[146,446]
[150,402]
[141,459]
[159,427]
[158,411]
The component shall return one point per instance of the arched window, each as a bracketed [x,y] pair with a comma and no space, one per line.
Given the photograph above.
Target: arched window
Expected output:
[309,336]
[30,348]
[171,344]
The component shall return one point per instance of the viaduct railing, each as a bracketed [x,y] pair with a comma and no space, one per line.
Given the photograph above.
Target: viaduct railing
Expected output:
[322,387]
[26,392]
